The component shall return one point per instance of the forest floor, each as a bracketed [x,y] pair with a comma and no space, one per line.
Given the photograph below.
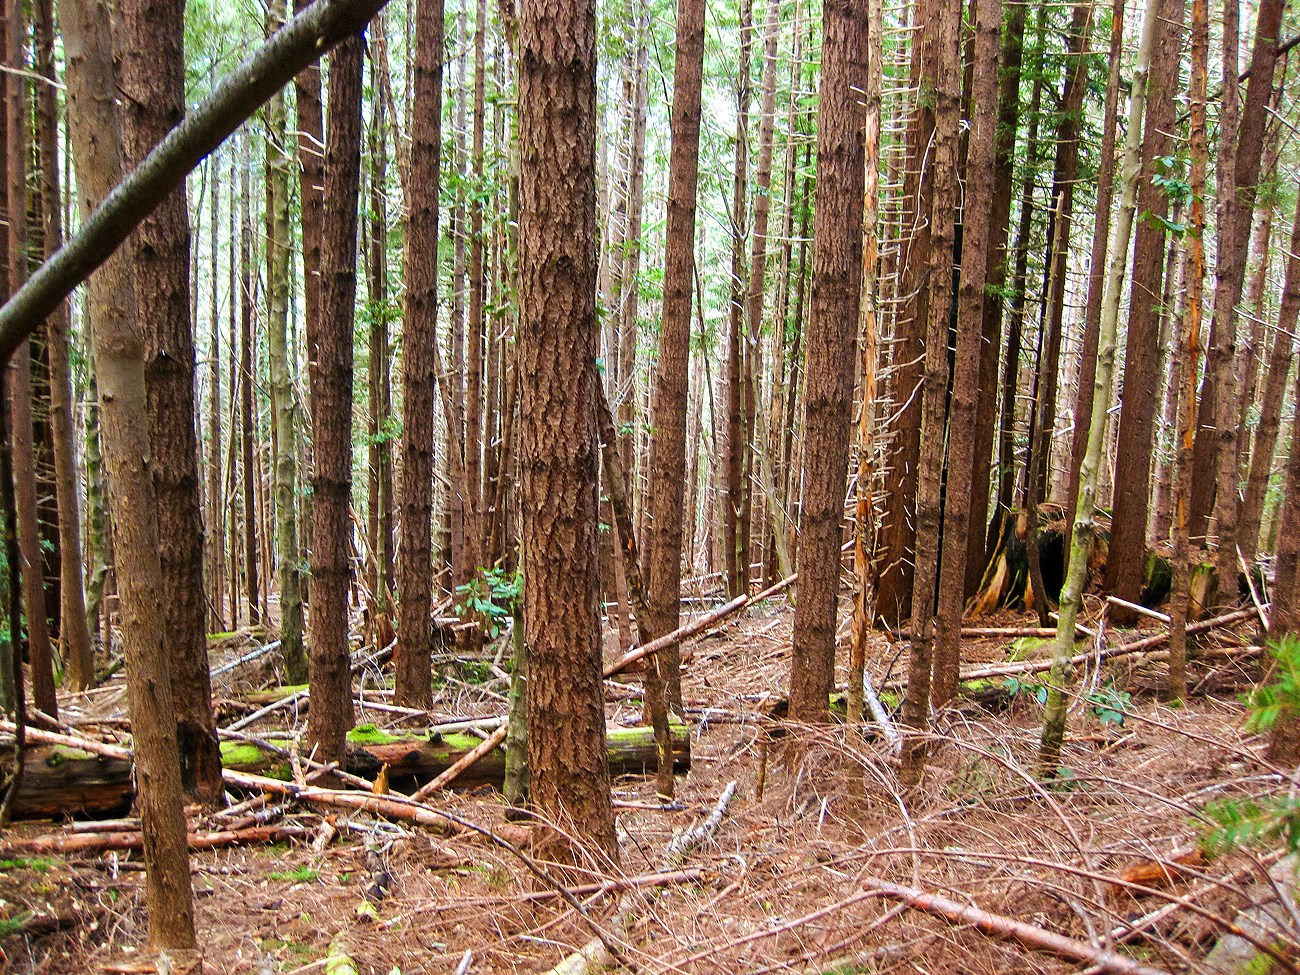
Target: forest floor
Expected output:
[785,884]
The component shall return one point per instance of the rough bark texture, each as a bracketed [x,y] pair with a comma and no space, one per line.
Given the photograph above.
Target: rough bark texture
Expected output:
[280,355]
[419,336]
[558,451]
[152,78]
[668,446]
[976,221]
[329,348]
[119,356]
[943,56]
[75,634]
[828,383]
[1141,354]
[1284,742]
[1097,266]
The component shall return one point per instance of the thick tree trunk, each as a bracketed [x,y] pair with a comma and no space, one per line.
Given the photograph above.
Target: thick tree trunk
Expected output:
[419,347]
[120,356]
[1141,355]
[976,223]
[329,347]
[568,765]
[153,75]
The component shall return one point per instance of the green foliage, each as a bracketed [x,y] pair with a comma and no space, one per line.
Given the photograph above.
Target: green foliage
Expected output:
[1268,704]
[1024,687]
[1109,704]
[490,598]
[35,864]
[10,926]
[299,875]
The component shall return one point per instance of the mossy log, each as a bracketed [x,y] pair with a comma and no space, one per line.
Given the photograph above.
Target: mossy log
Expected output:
[59,781]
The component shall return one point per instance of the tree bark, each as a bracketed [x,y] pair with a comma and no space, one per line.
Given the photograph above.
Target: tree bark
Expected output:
[329,346]
[976,226]
[831,341]
[419,346]
[942,56]
[567,761]
[119,356]
[1127,556]
[247,281]
[280,356]
[668,441]
[80,657]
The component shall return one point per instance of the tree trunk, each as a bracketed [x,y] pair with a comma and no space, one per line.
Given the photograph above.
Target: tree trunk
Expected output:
[942,57]
[1011,57]
[247,379]
[120,356]
[419,346]
[80,657]
[1085,529]
[1097,263]
[567,761]
[976,221]
[735,489]
[1132,492]
[668,442]
[280,357]
[329,346]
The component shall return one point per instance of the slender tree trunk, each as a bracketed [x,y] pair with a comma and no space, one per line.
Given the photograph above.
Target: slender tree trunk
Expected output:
[216,522]
[668,443]
[280,357]
[39,650]
[1132,491]
[943,59]
[419,348]
[1187,349]
[120,356]
[568,765]
[1085,528]
[247,280]
[976,228]
[472,489]
[1280,360]
[1097,263]
[80,657]
[329,345]
[1011,58]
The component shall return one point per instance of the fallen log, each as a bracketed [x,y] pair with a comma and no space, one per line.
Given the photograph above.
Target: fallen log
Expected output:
[73,776]
[70,842]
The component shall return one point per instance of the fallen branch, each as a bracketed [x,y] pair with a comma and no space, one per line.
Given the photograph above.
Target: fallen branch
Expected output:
[283,702]
[64,843]
[687,841]
[488,745]
[696,626]
[1008,929]
[246,658]
[1138,608]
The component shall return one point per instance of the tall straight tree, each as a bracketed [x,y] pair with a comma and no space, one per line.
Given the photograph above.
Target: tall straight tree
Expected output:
[1085,528]
[72,593]
[965,384]
[833,317]
[280,358]
[1127,558]
[151,53]
[558,449]
[419,350]
[39,649]
[943,59]
[119,356]
[329,350]
[668,446]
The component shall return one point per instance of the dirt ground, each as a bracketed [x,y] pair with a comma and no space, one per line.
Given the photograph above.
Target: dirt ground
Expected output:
[785,882]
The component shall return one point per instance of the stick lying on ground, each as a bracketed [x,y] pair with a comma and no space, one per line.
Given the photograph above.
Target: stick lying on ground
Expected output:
[1009,929]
